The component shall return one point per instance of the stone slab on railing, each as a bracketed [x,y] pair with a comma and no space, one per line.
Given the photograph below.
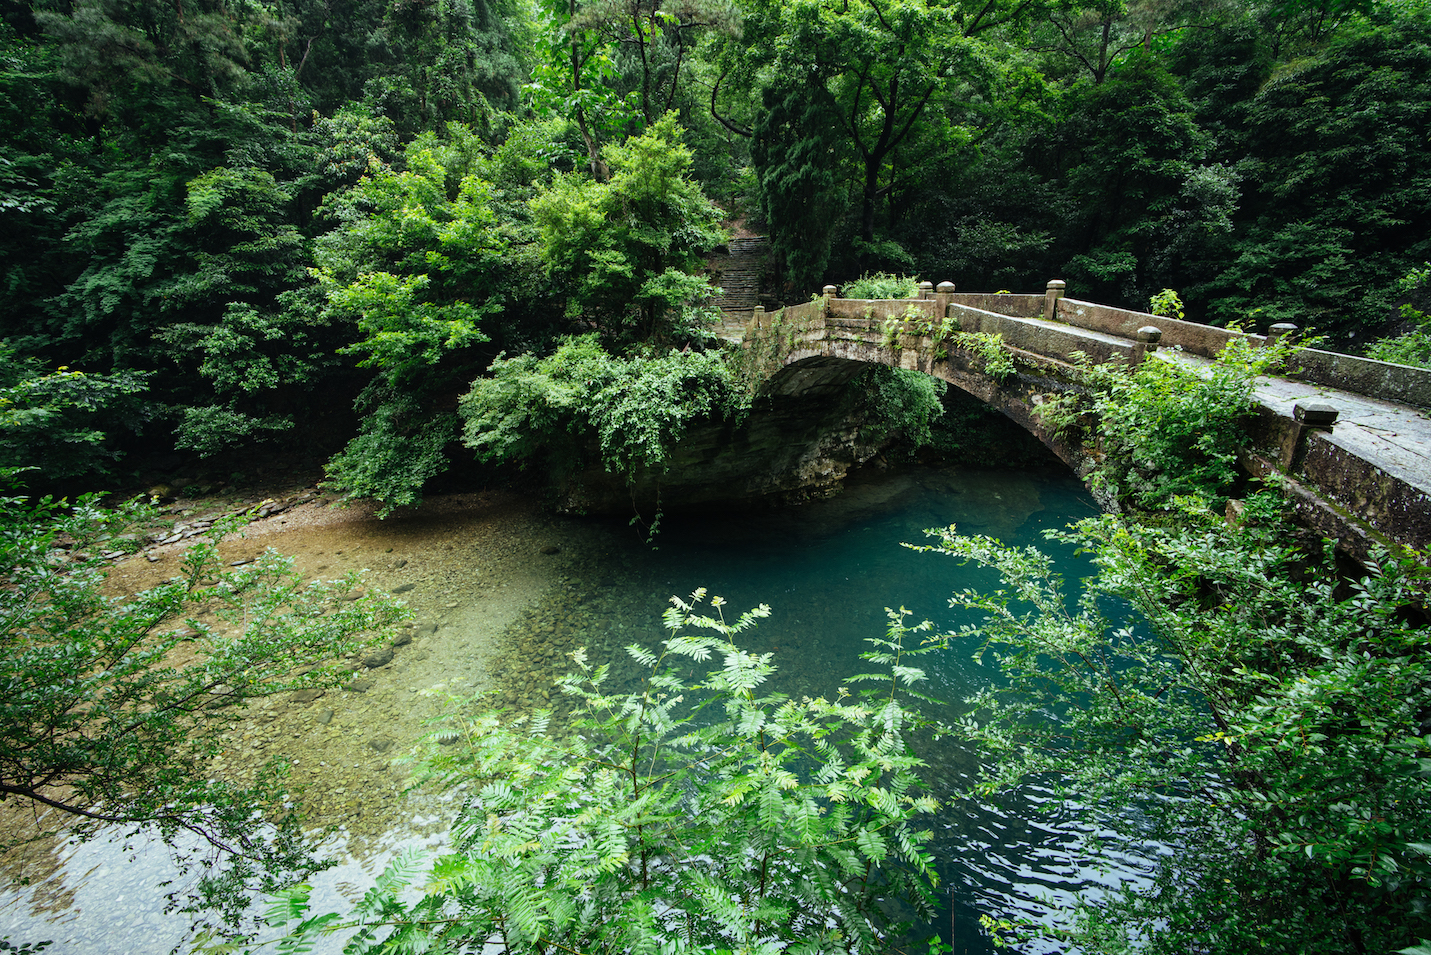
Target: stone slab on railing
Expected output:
[878,310]
[1362,376]
[1375,379]
[804,315]
[1049,339]
[1204,340]
[1001,303]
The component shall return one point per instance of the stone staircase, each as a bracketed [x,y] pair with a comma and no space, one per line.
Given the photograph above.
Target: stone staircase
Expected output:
[739,273]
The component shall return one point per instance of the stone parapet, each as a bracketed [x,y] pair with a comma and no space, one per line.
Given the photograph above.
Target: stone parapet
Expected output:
[1363,376]
[1001,303]
[1049,339]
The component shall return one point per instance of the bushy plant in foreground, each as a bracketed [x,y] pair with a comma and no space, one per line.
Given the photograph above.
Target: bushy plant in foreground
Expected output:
[1226,694]
[111,706]
[681,816]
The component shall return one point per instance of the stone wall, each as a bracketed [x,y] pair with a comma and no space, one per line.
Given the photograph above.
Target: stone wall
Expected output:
[1362,376]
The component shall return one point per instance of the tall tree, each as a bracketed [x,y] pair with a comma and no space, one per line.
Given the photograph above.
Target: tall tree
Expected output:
[629,250]
[1339,204]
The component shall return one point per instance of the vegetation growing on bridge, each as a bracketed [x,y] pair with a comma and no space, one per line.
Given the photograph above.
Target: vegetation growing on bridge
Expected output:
[1164,432]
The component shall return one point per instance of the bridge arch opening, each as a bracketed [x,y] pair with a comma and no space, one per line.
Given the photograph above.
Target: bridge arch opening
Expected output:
[808,374]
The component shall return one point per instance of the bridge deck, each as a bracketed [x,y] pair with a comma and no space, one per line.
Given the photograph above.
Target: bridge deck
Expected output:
[1394,437]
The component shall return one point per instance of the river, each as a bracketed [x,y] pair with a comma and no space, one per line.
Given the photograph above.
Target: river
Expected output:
[501,592]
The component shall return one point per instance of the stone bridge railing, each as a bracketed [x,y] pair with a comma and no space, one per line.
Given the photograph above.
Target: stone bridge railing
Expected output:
[1346,478]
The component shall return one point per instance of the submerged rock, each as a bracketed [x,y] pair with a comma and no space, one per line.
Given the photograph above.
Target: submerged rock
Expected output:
[378,658]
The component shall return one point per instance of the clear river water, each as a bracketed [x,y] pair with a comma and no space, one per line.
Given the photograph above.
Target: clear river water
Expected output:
[499,617]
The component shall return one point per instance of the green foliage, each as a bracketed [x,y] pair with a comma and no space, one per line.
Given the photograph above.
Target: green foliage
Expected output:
[1167,303]
[1223,693]
[1413,347]
[997,361]
[575,75]
[709,815]
[884,76]
[1136,196]
[414,262]
[628,250]
[416,265]
[902,401]
[1168,431]
[209,429]
[881,285]
[795,153]
[400,446]
[112,706]
[1338,207]
[635,409]
[61,421]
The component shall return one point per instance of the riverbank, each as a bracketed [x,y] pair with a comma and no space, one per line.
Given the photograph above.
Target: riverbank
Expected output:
[468,566]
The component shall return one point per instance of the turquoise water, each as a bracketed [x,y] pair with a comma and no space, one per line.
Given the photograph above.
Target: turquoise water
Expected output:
[828,571]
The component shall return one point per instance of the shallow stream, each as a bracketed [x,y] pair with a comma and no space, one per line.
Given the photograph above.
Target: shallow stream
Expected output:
[501,593]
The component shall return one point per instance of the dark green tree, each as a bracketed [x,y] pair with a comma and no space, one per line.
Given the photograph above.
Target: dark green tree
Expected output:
[1337,205]
[413,267]
[797,154]
[1126,154]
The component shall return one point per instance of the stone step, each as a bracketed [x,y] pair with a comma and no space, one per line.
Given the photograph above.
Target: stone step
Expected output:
[740,273]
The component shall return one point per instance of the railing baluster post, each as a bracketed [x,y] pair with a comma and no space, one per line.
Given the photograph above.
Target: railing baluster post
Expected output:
[1051,295]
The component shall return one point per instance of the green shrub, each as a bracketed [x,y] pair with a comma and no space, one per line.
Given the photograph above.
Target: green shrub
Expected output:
[400,446]
[902,401]
[881,285]
[1414,347]
[1168,431]
[635,409]
[1230,696]
[62,421]
[709,815]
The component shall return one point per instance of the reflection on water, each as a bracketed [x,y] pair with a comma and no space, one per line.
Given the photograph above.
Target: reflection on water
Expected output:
[107,895]
[828,570]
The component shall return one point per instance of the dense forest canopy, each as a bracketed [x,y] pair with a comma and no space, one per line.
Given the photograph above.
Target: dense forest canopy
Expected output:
[220,213]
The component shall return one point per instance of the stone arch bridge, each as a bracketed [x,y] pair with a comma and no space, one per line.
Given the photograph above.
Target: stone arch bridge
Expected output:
[1351,437]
